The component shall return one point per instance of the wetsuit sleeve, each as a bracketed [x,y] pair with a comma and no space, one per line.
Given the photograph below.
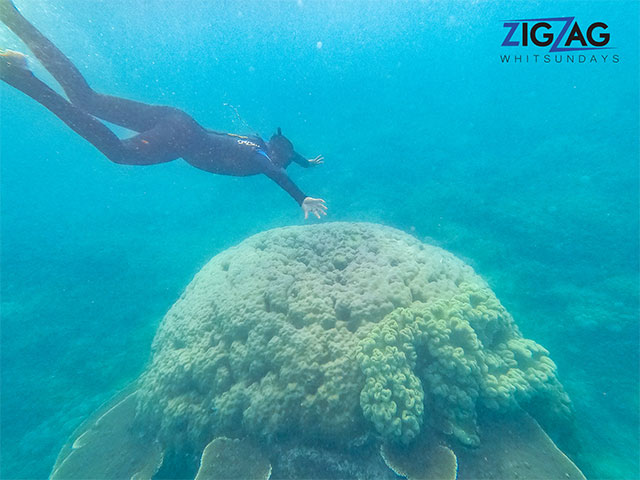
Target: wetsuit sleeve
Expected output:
[279,176]
[300,160]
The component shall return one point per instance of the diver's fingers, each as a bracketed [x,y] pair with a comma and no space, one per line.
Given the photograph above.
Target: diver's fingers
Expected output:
[315,212]
[306,214]
[322,205]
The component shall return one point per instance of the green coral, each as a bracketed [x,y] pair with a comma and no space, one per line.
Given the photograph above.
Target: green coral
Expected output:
[392,397]
[334,331]
[453,354]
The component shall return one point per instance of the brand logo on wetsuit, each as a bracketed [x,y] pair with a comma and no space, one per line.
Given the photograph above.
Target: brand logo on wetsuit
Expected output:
[248,143]
[562,36]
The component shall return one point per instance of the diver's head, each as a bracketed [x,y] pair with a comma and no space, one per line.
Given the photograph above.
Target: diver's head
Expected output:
[281,149]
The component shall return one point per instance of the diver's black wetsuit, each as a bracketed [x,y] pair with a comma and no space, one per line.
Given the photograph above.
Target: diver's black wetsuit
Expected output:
[165,133]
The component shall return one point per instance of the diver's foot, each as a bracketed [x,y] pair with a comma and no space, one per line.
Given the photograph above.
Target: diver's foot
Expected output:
[14,59]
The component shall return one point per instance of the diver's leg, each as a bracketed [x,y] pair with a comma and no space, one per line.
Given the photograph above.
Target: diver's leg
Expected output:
[130,114]
[158,145]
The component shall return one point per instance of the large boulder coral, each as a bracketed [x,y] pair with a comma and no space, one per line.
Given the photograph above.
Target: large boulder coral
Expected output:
[337,331]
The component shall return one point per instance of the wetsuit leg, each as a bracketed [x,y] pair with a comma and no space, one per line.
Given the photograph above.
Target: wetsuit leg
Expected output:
[162,143]
[130,114]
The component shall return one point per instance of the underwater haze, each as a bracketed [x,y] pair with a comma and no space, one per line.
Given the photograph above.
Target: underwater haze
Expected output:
[529,172]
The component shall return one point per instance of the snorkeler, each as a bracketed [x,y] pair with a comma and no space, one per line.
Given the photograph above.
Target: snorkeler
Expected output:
[164,133]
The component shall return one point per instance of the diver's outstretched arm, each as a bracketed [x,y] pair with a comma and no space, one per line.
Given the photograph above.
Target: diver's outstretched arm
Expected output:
[315,206]
[279,175]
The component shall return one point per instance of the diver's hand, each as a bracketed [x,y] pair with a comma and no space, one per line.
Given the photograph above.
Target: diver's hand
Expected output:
[319,160]
[314,205]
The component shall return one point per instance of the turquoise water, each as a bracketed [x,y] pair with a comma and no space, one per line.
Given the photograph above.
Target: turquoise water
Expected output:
[529,172]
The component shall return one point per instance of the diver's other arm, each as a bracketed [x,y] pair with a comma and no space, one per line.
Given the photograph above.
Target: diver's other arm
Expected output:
[306,163]
[319,160]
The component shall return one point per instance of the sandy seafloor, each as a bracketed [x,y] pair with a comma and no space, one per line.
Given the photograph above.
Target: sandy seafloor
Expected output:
[528,172]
